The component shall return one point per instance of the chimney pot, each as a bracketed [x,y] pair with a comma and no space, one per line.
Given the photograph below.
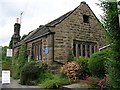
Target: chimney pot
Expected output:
[17,20]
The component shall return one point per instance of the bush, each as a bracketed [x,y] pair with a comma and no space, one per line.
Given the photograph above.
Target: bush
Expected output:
[56,82]
[19,61]
[15,69]
[96,64]
[22,58]
[83,61]
[93,82]
[45,76]
[70,56]
[70,69]
[31,72]
[7,65]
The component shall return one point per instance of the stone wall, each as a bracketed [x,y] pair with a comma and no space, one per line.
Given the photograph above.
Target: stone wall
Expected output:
[16,51]
[46,42]
[73,28]
[69,30]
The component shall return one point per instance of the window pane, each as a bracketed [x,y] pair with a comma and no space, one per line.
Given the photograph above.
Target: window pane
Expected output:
[37,54]
[85,19]
[40,52]
[74,49]
[79,49]
[88,50]
[83,50]
[33,51]
[92,49]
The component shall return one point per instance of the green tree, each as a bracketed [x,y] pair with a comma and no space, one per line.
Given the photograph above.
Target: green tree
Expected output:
[4,51]
[22,58]
[19,61]
[11,43]
[111,23]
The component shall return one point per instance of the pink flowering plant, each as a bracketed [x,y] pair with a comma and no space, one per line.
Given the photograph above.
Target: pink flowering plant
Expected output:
[103,83]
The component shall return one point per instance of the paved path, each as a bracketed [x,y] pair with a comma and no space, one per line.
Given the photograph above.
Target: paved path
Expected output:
[15,85]
[0,82]
[76,86]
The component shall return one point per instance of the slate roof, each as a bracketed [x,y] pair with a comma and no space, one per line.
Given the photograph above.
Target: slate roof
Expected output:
[58,20]
[42,30]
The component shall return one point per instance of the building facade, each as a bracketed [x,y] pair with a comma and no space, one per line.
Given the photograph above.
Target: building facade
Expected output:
[78,31]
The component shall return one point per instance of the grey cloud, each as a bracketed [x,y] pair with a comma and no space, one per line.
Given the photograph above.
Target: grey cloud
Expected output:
[12,8]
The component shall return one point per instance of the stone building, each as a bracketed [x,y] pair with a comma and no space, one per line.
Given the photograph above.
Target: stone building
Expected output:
[78,31]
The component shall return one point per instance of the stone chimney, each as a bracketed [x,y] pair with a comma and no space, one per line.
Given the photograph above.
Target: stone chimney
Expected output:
[83,2]
[16,35]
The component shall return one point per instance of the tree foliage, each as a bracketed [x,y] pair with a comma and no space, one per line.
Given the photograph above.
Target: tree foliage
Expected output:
[4,52]
[31,72]
[22,58]
[11,43]
[19,61]
[111,19]
[111,23]
[96,63]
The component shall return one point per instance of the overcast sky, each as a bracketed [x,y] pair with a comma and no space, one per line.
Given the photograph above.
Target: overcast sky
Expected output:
[36,12]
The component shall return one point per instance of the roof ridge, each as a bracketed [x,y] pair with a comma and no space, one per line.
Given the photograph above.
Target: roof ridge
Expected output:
[60,19]
[34,31]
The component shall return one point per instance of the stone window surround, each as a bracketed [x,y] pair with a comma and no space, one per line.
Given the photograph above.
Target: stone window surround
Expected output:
[84,48]
[37,50]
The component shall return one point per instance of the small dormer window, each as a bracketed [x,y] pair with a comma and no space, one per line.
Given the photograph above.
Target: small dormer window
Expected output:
[85,19]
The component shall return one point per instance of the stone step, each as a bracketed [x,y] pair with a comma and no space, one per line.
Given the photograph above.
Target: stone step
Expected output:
[76,86]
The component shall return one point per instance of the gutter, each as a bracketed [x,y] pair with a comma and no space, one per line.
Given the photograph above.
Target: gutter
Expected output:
[27,41]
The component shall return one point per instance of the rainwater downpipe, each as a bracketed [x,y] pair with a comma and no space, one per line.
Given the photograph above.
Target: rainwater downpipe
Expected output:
[53,45]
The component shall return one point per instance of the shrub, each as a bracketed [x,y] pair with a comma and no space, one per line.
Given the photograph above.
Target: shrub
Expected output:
[19,61]
[70,56]
[70,70]
[15,69]
[83,61]
[7,65]
[93,82]
[31,72]
[45,76]
[22,58]
[103,83]
[56,82]
[96,64]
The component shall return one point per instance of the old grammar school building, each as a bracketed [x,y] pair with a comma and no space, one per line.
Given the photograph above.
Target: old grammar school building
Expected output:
[78,31]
